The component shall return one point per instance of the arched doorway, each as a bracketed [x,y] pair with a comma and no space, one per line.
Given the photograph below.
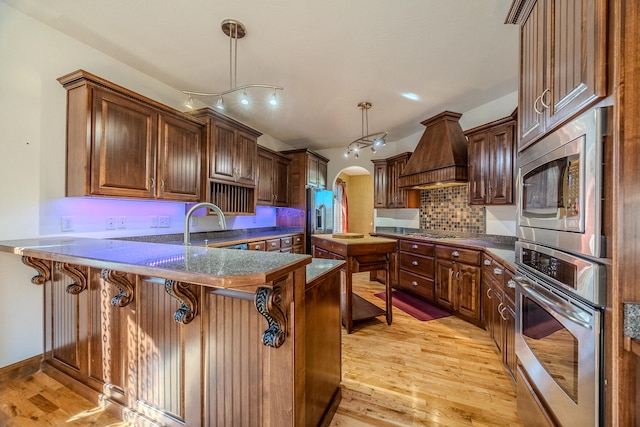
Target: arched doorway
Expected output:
[357,183]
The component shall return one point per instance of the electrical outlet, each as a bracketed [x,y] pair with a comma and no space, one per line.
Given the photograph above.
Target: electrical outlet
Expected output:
[163,221]
[111,223]
[122,222]
[154,222]
[67,223]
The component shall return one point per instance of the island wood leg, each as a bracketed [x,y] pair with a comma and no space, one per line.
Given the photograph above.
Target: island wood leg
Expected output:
[348,306]
[387,282]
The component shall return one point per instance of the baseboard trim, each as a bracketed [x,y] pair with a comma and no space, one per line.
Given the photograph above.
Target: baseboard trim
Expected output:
[21,369]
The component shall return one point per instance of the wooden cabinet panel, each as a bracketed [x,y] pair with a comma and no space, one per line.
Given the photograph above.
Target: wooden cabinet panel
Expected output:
[468,304]
[387,193]
[449,253]
[124,146]
[222,152]
[245,164]
[281,181]
[445,284]
[273,245]
[562,62]
[576,56]
[416,264]
[379,184]
[273,182]
[121,144]
[491,162]
[417,284]
[260,245]
[458,285]
[265,188]
[532,65]
[179,160]
[232,149]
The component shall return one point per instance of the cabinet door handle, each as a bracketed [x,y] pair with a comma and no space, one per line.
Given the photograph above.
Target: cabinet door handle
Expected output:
[511,284]
[497,270]
[545,105]
[487,262]
[414,283]
[455,254]
[414,246]
[414,262]
[489,290]
[535,105]
[162,184]
[153,183]
[257,248]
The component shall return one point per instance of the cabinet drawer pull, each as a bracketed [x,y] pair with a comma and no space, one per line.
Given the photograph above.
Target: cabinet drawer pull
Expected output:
[414,283]
[511,284]
[286,242]
[414,262]
[455,254]
[497,270]
[487,262]
[273,244]
[414,246]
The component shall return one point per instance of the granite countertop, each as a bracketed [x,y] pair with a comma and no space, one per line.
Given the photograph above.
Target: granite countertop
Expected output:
[502,247]
[223,268]
[320,266]
[353,241]
[218,238]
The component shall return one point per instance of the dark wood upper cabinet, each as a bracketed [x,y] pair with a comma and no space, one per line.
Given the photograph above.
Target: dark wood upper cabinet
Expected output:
[232,149]
[562,62]
[122,144]
[492,162]
[273,178]
[379,183]
[386,192]
[179,160]
[307,169]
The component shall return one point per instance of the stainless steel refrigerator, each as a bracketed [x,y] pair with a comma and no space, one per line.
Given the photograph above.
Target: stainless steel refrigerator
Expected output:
[319,213]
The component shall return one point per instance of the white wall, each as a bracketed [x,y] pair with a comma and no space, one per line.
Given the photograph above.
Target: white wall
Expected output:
[32,165]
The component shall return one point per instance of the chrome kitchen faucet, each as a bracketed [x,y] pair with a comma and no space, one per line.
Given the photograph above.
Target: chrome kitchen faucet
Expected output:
[221,219]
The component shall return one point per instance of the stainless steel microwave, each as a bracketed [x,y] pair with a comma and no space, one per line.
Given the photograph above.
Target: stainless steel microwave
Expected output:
[559,186]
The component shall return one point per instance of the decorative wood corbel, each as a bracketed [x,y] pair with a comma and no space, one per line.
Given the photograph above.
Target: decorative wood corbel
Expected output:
[188,301]
[77,274]
[269,304]
[41,266]
[121,281]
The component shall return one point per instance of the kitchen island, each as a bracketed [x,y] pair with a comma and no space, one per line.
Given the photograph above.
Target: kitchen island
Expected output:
[190,336]
[360,254]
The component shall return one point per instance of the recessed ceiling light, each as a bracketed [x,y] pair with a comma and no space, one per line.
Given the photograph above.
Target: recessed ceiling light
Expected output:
[411,96]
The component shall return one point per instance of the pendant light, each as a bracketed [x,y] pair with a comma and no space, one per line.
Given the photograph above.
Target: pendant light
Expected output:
[367,140]
[234,30]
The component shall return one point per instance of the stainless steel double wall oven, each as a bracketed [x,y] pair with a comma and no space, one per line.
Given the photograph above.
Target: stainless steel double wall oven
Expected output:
[561,283]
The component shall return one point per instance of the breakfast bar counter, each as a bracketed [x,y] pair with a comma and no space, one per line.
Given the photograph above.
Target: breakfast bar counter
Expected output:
[185,335]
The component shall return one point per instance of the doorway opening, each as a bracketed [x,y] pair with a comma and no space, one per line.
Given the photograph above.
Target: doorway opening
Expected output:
[353,207]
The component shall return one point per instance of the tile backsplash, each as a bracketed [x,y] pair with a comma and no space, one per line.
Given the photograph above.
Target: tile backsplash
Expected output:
[447,209]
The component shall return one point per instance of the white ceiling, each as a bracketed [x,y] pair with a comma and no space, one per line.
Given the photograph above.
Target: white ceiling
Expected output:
[329,55]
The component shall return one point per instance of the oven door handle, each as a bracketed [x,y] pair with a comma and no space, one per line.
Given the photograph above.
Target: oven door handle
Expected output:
[561,307]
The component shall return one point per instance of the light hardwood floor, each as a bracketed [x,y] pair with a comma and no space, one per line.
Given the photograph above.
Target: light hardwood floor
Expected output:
[444,372]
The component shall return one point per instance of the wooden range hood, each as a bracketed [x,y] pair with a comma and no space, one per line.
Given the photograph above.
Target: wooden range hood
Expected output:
[440,158]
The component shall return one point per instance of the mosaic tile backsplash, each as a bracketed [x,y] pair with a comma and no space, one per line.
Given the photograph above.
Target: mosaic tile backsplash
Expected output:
[447,209]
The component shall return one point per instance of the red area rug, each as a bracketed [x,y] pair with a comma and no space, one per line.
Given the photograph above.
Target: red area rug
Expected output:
[413,306]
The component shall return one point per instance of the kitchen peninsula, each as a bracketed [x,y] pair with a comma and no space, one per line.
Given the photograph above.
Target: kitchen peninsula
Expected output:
[184,335]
